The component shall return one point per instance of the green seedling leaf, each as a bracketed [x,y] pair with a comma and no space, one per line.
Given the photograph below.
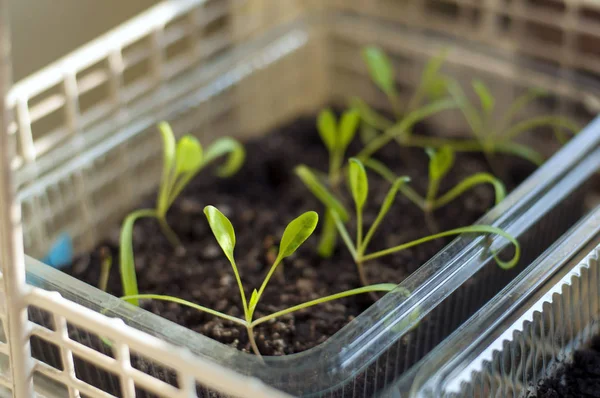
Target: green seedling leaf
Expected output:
[188,155]
[380,69]
[437,88]
[168,161]
[253,300]
[226,146]
[222,229]
[440,161]
[296,233]
[126,260]
[358,182]
[348,127]
[486,98]
[326,125]
[320,192]
[385,208]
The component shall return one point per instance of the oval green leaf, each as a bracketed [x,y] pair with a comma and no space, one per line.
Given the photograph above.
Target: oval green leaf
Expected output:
[348,127]
[253,300]
[297,232]
[222,229]
[236,154]
[486,99]
[326,124]
[320,192]
[188,155]
[440,161]
[358,182]
[380,69]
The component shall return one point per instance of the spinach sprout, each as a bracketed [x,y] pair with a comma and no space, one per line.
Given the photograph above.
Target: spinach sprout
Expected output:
[491,136]
[294,235]
[336,137]
[359,188]
[440,162]
[499,136]
[429,98]
[182,160]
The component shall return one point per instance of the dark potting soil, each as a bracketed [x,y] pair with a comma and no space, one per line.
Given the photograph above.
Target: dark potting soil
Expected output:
[260,200]
[578,379]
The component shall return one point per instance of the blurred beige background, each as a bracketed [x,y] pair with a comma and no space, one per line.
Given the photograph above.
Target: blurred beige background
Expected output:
[45,30]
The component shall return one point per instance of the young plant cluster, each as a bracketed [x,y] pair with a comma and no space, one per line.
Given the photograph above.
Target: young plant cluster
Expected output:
[184,159]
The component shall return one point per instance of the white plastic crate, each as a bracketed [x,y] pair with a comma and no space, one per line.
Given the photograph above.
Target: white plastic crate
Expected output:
[58,124]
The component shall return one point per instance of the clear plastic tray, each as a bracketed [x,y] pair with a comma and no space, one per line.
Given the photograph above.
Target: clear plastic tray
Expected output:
[529,329]
[317,58]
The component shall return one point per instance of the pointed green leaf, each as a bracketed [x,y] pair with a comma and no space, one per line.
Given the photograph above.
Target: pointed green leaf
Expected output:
[433,83]
[297,232]
[391,195]
[380,69]
[236,154]
[168,145]
[166,182]
[188,155]
[253,300]
[320,192]
[222,229]
[348,126]
[358,182]
[326,125]
[440,162]
[486,98]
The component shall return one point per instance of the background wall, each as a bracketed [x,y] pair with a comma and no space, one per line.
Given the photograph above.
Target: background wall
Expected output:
[45,30]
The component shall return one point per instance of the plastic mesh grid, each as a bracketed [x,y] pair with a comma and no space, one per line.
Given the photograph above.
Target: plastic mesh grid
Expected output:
[70,115]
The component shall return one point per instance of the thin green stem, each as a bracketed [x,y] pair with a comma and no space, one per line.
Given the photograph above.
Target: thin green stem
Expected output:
[345,235]
[267,278]
[238,280]
[432,190]
[471,182]
[382,287]
[522,151]
[186,303]
[535,122]
[458,145]
[362,276]
[478,229]
[168,231]
[359,228]
[370,116]
[469,112]
[387,174]
[518,104]
[250,331]
[399,129]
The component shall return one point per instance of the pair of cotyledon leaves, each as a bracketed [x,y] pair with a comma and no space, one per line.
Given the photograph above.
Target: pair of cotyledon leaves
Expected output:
[296,232]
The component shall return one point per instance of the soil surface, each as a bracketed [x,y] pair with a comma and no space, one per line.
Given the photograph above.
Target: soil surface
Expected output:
[260,200]
[579,379]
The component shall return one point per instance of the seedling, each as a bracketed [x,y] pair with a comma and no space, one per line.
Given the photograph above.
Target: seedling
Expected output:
[440,162]
[359,188]
[294,235]
[182,161]
[336,137]
[429,98]
[491,136]
[499,136]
